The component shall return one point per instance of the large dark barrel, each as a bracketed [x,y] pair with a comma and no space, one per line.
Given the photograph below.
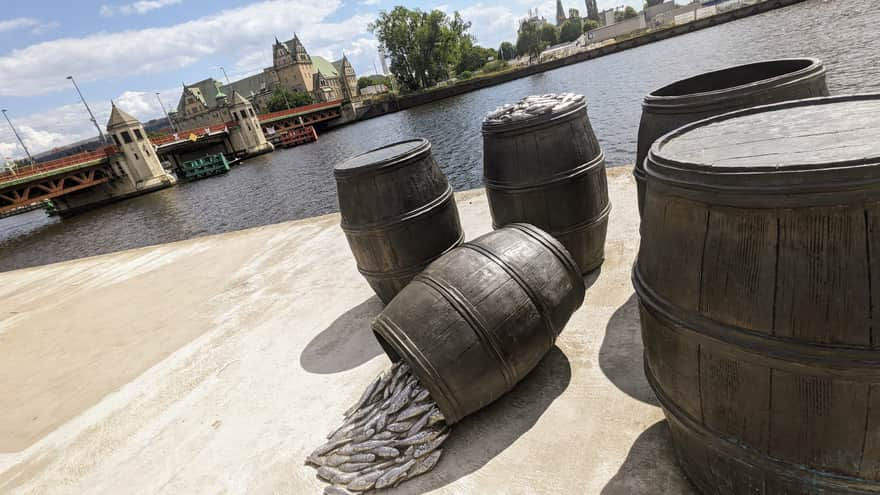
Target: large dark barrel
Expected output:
[398,213]
[549,171]
[477,320]
[721,91]
[758,279]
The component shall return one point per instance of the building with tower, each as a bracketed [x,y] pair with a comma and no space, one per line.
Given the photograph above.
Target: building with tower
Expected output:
[138,164]
[560,13]
[293,69]
[592,10]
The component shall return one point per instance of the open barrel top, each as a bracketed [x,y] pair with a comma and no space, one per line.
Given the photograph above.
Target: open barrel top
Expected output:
[804,144]
[386,156]
[733,83]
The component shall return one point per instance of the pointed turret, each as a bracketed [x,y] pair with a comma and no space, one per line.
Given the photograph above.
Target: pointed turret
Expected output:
[560,13]
[140,163]
[119,118]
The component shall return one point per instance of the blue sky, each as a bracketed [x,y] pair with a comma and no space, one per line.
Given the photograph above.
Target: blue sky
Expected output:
[127,50]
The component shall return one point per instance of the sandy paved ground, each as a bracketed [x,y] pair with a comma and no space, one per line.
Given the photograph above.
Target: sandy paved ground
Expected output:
[215,365]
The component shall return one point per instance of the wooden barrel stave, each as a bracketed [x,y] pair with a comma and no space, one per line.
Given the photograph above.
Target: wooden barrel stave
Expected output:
[717,92]
[551,174]
[398,213]
[497,305]
[756,308]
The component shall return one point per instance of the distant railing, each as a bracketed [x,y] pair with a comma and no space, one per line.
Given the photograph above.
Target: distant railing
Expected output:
[298,110]
[184,135]
[67,161]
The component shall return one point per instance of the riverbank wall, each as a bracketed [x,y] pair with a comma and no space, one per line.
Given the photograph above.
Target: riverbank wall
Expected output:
[395,104]
[216,364]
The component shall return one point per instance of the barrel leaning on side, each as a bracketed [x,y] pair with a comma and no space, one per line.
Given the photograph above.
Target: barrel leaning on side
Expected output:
[495,306]
[550,172]
[398,213]
[721,91]
[758,278]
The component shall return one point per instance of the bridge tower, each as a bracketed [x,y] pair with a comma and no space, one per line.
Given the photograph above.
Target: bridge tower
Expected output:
[248,135]
[140,163]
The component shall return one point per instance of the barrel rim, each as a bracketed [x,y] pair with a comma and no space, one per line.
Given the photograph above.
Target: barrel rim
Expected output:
[422,148]
[721,97]
[598,162]
[766,180]
[533,123]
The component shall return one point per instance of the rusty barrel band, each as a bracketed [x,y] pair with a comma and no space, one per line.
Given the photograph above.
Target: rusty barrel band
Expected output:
[409,270]
[437,204]
[822,360]
[834,483]
[472,317]
[593,165]
[431,378]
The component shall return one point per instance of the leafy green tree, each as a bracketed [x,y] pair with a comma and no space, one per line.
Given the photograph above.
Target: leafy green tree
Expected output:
[590,24]
[528,41]
[282,99]
[374,80]
[570,30]
[549,34]
[473,57]
[506,51]
[422,45]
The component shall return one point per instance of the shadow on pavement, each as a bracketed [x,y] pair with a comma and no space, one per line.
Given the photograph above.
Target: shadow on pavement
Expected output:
[479,438]
[650,467]
[621,355]
[347,343]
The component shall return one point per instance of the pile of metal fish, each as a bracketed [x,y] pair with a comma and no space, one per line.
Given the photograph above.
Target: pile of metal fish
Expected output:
[534,106]
[392,434]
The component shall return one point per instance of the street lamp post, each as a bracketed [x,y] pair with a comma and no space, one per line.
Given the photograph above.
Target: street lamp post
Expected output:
[170,122]
[224,74]
[20,141]
[91,115]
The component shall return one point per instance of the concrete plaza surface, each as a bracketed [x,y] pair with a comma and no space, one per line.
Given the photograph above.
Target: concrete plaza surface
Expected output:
[215,365]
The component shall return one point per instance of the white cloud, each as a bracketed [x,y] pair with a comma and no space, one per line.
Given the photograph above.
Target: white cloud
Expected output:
[234,33]
[35,25]
[370,2]
[136,8]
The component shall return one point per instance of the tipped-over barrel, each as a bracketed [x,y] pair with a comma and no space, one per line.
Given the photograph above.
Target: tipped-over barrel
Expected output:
[721,91]
[478,319]
[398,213]
[547,169]
[758,277]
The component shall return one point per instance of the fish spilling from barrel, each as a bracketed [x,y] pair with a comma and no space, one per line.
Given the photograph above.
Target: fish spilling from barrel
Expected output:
[534,106]
[392,434]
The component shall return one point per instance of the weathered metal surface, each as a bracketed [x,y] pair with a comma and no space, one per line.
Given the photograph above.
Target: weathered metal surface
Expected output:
[757,280]
[478,319]
[725,90]
[549,171]
[398,213]
[40,187]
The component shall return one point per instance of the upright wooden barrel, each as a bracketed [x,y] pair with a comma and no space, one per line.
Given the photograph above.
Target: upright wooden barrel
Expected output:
[721,91]
[758,281]
[398,213]
[549,171]
[477,320]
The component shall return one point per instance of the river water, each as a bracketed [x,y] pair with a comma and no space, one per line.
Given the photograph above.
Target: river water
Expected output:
[298,183]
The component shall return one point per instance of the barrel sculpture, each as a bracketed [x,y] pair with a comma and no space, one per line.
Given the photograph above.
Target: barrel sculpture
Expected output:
[758,281]
[398,213]
[726,90]
[478,319]
[549,171]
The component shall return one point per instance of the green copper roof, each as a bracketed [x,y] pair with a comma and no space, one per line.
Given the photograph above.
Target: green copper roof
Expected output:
[323,66]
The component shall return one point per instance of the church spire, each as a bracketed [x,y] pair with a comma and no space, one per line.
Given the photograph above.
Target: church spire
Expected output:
[560,13]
